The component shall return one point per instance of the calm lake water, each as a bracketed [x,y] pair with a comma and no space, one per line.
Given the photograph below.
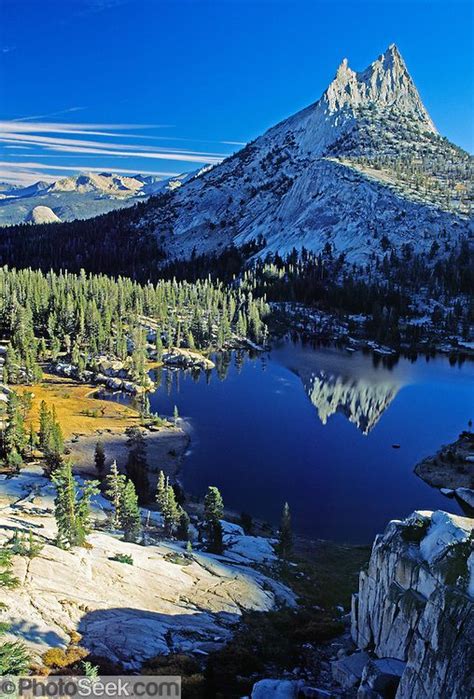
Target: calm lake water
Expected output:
[316,427]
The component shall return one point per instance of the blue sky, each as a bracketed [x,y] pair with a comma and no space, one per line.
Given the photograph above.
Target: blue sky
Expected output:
[163,86]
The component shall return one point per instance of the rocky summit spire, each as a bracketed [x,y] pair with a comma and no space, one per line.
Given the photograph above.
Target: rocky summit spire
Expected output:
[385,84]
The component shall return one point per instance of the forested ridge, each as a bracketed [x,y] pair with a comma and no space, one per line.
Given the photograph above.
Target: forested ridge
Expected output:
[121,245]
[82,316]
[110,244]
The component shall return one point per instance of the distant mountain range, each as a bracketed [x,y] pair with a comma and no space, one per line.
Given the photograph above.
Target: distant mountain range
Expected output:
[78,197]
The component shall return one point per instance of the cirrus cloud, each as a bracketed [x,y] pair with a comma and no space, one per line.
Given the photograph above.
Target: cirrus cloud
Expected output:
[94,141]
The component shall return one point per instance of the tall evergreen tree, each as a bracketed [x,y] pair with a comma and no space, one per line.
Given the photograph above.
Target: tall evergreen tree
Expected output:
[71,506]
[161,491]
[130,520]
[115,484]
[167,503]
[183,526]
[44,426]
[170,511]
[213,511]
[14,437]
[213,504]
[50,438]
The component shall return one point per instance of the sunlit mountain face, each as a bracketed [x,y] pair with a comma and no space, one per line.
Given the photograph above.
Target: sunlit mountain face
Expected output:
[343,384]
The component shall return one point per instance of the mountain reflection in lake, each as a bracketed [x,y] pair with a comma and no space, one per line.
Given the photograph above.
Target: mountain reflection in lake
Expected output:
[316,427]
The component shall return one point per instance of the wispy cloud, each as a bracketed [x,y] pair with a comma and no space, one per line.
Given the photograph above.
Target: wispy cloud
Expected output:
[65,140]
[23,177]
[29,125]
[95,142]
[46,116]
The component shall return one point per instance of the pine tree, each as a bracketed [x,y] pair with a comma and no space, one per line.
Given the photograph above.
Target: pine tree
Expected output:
[71,508]
[213,511]
[7,579]
[52,439]
[54,448]
[143,406]
[139,357]
[83,521]
[14,438]
[159,346]
[182,532]
[170,512]
[56,439]
[44,426]
[64,505]
[130,520]
[285,535]
[12,366]
[99,458]
[115,483]
[213,505]
[161,491]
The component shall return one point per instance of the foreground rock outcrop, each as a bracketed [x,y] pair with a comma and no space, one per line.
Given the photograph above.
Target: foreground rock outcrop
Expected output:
[168,601]
[415,605]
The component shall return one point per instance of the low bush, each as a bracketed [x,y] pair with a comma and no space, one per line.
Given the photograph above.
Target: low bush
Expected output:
[123,558]
[58,658]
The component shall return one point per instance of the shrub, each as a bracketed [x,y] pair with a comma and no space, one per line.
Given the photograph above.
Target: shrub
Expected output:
[90,670]
[14,656]
[178,558]
[23,545]
[123,558]
[55,657]
[7,579]
[60,658]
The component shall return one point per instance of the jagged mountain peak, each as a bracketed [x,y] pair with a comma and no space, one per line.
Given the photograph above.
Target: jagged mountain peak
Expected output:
[362,165]
[384,84]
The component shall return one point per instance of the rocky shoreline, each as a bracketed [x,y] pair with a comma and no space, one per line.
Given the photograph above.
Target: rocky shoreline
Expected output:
[350,332]
[165,449]
[451,470]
